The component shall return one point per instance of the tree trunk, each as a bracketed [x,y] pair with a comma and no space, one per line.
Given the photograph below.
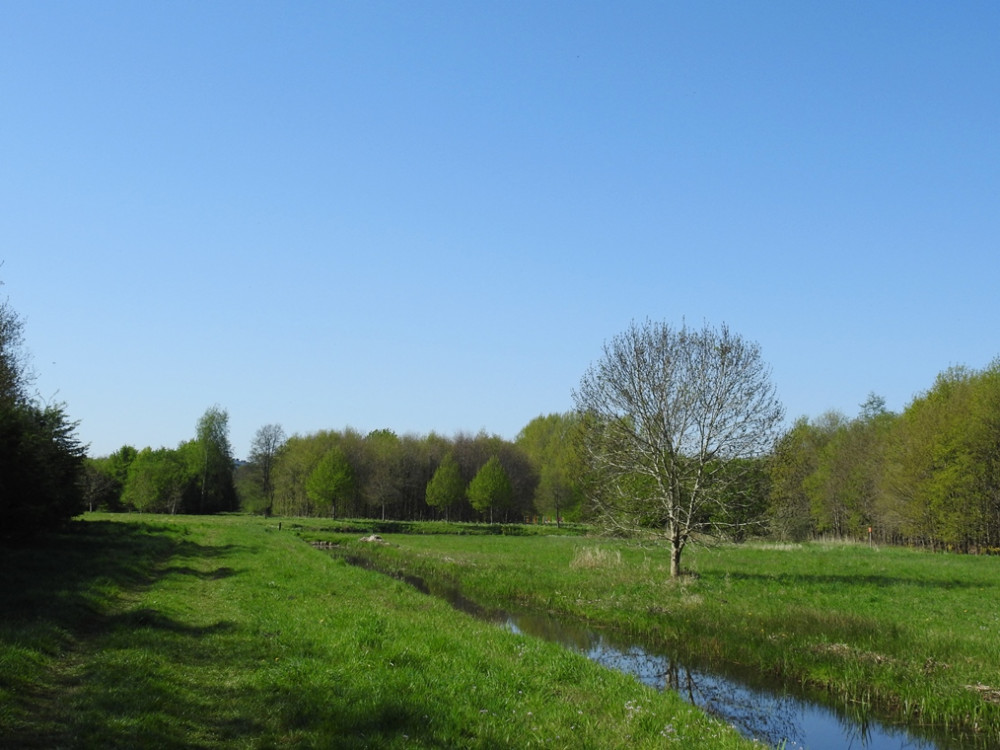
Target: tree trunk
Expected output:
[676,546]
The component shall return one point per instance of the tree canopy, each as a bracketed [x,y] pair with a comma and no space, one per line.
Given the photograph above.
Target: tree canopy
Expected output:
[551,443]
[267,442]
[41,459]
[668,416]
[490,488]
[446,487]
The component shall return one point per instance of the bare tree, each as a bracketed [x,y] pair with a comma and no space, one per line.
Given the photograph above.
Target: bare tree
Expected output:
[669,415]
[267,441]
[15,371]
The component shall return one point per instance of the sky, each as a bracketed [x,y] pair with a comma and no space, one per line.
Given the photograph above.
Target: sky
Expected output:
[431,216]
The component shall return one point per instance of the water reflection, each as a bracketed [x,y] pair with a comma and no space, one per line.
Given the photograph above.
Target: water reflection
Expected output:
[770,716]
[758,708]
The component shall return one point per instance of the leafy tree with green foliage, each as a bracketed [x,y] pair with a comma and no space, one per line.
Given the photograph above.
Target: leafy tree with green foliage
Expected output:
[104,479]
[472,452]
[41,460]
[330,482]
[292,468]
[41,463]
[119,462]
[928,476]
[383,470]
[845,486]
[942,468]
[15,374]
[794,460]
[984,445]
[418,461]
[216,491]
[490,489]
[389,474]
[100,490]
[551,443]
[162,480]
[446,487]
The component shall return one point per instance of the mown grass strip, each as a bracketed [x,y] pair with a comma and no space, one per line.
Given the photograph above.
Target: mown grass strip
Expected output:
[225,632]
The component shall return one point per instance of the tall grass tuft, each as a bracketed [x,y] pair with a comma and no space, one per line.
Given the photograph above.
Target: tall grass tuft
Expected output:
[591,558]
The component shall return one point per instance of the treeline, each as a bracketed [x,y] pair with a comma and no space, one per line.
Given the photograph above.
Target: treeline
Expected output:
[929,476]
[195,477]
[40,456]
[349,474]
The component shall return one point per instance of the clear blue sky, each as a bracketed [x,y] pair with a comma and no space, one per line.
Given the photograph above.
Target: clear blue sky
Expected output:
[430,216]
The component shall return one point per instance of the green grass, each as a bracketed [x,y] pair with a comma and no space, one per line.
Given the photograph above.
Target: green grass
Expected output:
[320,528]
[223,632]
[904,635]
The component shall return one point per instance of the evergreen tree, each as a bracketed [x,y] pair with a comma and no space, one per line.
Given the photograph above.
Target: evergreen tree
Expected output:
[41,460]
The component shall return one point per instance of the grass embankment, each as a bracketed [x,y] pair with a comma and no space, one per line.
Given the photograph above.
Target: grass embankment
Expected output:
[906,635]
[225,632]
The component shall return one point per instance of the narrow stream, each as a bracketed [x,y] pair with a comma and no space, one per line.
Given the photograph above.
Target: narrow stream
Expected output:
[761,709]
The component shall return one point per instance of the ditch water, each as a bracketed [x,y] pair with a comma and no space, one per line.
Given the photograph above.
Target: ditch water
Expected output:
[759,708]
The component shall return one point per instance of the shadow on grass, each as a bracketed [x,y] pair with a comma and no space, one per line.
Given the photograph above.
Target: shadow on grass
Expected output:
[70,578]
[82,668]
[57,596]
[851,580]
[205,575]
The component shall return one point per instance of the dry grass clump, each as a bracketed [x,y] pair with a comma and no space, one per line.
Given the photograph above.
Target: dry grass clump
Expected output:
[589,558]
[987,693]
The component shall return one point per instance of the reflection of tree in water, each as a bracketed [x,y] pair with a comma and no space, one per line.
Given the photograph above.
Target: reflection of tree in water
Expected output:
[766,713]
[770,719]
[770,716]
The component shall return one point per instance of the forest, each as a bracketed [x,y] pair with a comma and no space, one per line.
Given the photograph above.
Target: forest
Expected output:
[928,476]
[343,473]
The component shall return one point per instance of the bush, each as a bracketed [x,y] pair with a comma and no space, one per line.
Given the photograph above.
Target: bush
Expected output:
[41,464]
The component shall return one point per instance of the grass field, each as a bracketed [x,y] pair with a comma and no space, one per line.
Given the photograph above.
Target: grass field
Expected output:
[905,635]
[224,632]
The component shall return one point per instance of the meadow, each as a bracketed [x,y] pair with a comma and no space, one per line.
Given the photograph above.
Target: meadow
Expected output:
[899,634]
[134,631]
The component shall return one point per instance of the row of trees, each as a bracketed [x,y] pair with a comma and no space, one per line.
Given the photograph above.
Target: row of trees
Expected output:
[347,474]
[675,431]
[383,475]
[928,476]
[195,477]
[40,455]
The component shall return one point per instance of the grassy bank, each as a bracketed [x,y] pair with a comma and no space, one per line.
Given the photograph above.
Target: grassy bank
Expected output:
[226,632]
[908,635]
